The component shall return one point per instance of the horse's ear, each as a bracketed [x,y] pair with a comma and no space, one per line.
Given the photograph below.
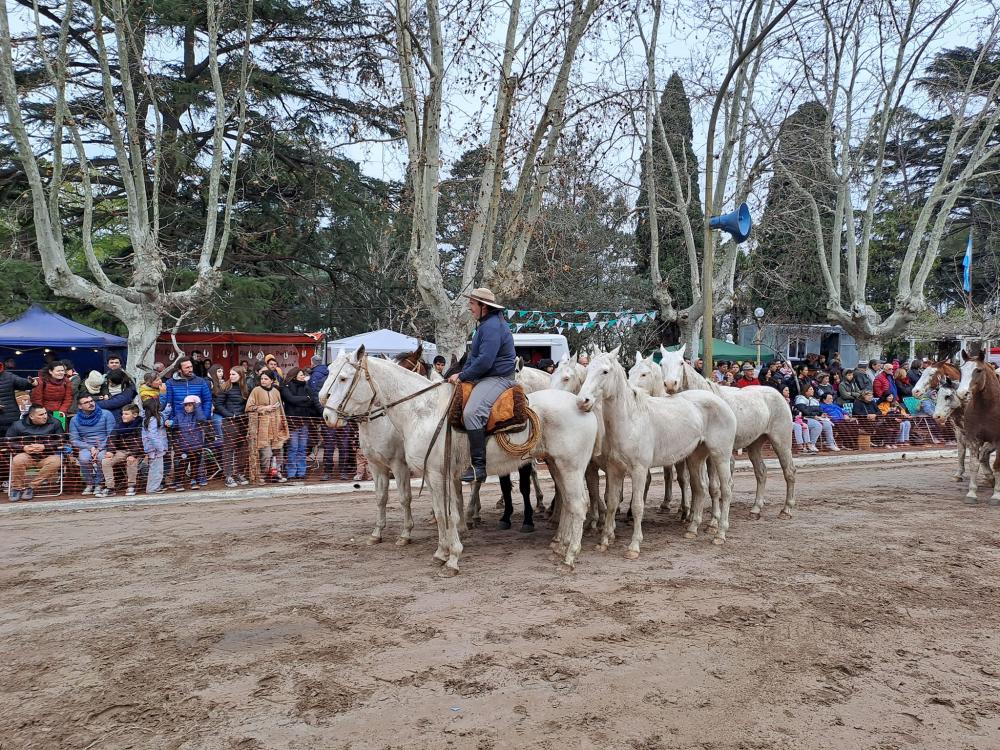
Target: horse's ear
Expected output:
[614,352]
[965,356]
[982,355]
[638,356]
[564,358]
[419,351]
[518,363]
[683,349]
[359,353]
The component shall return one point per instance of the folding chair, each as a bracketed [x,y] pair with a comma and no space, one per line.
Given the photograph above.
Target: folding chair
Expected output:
[53,486]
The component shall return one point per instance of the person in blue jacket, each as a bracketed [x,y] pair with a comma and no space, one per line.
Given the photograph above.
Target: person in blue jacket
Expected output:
[184,383]
[89,432]
[490,366]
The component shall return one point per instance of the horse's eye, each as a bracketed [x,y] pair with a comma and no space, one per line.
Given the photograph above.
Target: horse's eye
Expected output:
[607,372]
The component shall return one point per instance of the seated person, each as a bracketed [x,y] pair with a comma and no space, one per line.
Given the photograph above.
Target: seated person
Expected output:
[808,406]
[89,432]
[894,413]
[39,437]
[125,446]
[844,425]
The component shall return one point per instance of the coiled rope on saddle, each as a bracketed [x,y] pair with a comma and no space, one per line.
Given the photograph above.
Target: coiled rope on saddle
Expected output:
[522,450]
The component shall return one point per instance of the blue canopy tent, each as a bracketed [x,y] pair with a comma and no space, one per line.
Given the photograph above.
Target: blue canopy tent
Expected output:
[28,337]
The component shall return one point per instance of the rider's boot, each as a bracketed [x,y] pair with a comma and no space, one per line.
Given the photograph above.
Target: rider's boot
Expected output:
[477,447]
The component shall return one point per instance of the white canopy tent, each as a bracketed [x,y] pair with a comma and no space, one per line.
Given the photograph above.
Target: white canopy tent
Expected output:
[382,341]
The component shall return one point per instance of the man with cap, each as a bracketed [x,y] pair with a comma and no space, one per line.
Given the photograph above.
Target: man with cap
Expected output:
[863,376]
[747,377]
[490,366]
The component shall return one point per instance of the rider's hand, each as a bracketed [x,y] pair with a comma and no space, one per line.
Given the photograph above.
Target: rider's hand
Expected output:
[453,379]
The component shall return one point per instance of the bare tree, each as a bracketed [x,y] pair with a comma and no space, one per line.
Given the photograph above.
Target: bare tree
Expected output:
[746,24]
[128,117]
[863,61]
[430,43]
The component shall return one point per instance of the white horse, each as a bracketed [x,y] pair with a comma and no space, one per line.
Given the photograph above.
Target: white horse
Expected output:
[382,445]
[647,377]
[761,414]
[569,376]
[416,410]
[641,431]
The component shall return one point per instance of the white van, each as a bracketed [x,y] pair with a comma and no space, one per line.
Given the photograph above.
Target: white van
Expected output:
[533,347]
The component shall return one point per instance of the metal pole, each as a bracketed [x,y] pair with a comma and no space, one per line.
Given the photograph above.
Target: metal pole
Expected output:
[708,264]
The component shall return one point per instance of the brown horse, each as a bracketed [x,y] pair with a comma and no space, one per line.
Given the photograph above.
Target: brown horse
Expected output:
[980,388]
[413,361]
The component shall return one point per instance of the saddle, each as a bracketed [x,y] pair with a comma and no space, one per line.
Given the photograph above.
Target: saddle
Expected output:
[508,414]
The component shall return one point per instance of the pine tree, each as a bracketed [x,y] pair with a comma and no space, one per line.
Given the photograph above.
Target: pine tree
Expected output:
[675,112]
[787,280]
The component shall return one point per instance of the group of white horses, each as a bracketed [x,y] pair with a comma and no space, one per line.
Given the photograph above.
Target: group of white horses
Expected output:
[593,418]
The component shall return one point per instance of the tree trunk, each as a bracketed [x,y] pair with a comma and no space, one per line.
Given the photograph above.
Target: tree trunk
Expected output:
[143,328]
[868,348]
[690,335]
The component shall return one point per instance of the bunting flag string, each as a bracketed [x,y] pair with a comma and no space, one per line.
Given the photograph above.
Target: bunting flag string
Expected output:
[557,320]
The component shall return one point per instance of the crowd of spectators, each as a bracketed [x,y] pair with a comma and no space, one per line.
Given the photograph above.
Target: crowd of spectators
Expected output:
[250,424]
[871,404]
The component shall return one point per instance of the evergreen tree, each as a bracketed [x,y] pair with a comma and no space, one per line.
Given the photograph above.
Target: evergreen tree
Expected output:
[787,280]
[674,111]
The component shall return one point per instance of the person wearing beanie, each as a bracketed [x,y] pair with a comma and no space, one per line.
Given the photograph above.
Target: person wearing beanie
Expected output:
[94,385]
[190,445]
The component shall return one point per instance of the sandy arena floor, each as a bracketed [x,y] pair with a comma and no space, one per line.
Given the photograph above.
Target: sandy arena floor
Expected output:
[870,620]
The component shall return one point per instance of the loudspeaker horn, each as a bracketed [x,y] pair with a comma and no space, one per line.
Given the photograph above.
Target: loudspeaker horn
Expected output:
[737,223]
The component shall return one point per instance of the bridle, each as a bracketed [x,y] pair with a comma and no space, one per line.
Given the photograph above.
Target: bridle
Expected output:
[373,411]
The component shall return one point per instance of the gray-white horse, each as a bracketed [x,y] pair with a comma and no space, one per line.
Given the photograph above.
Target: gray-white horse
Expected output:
[416,410]
[761,414]
[641,431]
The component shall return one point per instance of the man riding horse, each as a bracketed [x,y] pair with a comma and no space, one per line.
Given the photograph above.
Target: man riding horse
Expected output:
[490,367]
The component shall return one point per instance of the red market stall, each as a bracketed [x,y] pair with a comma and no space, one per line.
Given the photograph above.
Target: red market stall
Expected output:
[228,348]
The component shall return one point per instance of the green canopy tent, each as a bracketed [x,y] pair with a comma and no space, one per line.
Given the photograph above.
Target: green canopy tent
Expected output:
[722,350]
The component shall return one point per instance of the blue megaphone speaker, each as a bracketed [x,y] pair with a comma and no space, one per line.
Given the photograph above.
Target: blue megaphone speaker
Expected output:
[737,223]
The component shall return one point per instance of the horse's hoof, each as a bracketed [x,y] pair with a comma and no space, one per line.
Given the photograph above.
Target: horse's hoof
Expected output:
[663,509]
[958,477]
[994,502]
[690,534]
[504,525]
[372,540]
[566,567]
[714,523]
[719,540]
[447,572]
[527,528]
[755,515]
[631,554]
[439,560]
[402,542]
[784,515]
[601,547]
[970,499]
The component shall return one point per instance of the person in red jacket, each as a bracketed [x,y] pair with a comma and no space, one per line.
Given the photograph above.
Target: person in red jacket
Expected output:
[54,390]
[748,377]
[885,383]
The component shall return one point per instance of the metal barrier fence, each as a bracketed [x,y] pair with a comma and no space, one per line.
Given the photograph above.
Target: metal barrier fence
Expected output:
[314,452]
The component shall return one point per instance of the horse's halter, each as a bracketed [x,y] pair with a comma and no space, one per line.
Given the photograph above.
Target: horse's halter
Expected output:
[378,411]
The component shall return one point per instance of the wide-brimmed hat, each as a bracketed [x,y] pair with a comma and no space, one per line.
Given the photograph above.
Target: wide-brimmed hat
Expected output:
[484,296]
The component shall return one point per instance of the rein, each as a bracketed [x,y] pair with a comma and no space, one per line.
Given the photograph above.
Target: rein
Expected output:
[378,411]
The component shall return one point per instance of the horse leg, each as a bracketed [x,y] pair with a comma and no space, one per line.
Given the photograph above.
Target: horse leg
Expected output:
[984,463]
[669,477]
[760,474]
[524,484]
[452,536]
[782,445]
[612,496]
[970,496]
[595,512]
[539,500]
[640,484]
[556,508]
[506,488]
[960,439]
[699,494]
[381,477]
[436,486]
[574,512]
[995,499]
[714,493]
[722,469]
[402,473]
[684,509]
[472,513]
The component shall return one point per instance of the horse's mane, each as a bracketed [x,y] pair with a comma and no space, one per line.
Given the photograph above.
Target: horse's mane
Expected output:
[692,374]
[946,368]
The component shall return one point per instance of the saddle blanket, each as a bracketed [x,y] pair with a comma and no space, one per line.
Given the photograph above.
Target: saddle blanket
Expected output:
[508,414]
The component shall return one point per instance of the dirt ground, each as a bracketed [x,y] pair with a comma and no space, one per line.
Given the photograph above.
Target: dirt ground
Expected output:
[869,620]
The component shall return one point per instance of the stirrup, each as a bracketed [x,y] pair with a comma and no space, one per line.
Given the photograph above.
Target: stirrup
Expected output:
[472,475]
